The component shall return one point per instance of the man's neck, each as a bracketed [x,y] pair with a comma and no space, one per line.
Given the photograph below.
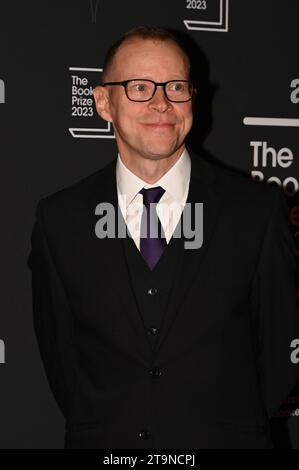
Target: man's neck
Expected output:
[150,170]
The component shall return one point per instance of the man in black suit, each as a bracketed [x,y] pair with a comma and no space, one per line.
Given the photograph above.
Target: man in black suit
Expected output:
[149,342]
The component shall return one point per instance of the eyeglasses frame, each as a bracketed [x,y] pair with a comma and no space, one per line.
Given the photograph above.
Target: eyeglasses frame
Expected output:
[163,84]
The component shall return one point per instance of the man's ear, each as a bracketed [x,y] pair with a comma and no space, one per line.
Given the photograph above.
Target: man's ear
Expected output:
[102,102]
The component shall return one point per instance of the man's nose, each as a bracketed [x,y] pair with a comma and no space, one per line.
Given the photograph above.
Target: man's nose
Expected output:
[159,100]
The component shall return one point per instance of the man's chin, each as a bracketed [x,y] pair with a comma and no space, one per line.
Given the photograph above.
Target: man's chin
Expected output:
[160,152]
[158,156]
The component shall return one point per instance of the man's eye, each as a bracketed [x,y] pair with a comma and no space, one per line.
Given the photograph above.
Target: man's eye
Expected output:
[138,87]
[177,86]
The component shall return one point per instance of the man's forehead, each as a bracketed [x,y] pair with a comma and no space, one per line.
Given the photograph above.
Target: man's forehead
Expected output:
[131,45]
[146,57]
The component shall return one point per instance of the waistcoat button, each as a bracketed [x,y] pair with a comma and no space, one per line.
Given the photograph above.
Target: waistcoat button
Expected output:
[152,291]
[152,331]
[144,434]
[155,372]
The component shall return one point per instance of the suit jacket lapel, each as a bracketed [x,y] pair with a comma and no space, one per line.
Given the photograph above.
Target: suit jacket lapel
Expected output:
[115,265]
[201,189]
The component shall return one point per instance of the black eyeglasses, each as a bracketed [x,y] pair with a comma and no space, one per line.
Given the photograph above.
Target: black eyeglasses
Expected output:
[178,91]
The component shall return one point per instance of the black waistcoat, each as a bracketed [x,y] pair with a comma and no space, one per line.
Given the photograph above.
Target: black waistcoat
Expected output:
[152,289]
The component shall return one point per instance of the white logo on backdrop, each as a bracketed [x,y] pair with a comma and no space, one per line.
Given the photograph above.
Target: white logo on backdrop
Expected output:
[209,15]
[83,114]
[265,156]
[278,121]
[93,10]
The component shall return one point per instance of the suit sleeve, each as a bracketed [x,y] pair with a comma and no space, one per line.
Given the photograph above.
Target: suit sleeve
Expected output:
[51,317]
[274,307]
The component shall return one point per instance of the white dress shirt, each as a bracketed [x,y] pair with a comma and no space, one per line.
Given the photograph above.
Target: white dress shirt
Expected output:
[169,209]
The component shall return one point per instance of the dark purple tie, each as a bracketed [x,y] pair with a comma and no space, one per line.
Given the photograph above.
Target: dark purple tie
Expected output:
[151,247]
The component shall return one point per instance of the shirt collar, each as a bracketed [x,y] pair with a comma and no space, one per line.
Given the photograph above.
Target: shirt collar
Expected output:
[174,181]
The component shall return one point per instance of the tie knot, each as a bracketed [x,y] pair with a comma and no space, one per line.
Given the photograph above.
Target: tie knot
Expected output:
[152,195]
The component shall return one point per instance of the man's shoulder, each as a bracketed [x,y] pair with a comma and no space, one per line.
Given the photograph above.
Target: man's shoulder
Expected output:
[78,192]
[231,183]
[237,191]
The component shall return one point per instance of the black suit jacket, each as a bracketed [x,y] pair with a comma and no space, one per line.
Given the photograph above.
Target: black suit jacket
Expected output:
[224,349]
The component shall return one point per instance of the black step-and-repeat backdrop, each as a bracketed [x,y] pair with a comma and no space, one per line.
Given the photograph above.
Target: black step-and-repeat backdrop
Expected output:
[51,54]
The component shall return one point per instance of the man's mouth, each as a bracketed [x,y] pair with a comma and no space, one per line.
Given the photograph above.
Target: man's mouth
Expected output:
[159,124]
